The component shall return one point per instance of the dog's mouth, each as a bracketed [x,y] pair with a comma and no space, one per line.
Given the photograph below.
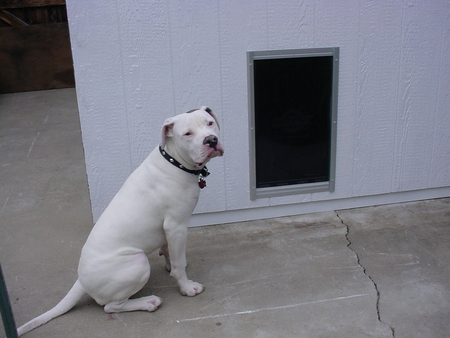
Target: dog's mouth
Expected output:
[209,153]
[218,151]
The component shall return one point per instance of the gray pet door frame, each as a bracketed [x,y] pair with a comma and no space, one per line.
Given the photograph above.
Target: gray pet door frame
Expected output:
[293,99]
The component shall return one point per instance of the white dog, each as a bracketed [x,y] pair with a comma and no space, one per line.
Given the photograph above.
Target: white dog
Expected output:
[150,211]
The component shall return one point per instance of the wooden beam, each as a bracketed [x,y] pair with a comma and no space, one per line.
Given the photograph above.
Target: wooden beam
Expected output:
[29,3]
[35,57]
[11,19]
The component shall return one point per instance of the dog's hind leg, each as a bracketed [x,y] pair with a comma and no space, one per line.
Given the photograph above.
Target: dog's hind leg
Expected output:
[164,251]
[113,286]
[128,282]
[149,303]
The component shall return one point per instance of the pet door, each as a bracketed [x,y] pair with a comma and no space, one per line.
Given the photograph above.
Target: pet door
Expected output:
[293,112]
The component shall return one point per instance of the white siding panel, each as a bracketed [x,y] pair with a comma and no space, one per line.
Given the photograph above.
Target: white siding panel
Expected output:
[99,75]
[195,46]
[290,24]
[440,161]
[148,88]
[419,72]
[377,95]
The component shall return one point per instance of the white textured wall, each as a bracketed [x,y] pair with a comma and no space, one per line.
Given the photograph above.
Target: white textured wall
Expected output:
[140,61]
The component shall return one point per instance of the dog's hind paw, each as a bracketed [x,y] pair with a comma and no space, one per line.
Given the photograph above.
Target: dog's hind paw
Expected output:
[152,302]
[149,303]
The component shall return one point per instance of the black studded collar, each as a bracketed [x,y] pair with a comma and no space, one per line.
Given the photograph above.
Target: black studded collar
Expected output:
[201,173]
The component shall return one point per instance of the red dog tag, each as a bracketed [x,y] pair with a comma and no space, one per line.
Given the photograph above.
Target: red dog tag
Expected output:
[201,183]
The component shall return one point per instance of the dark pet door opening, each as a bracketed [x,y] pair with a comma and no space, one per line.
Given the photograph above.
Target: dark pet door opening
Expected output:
[293,121]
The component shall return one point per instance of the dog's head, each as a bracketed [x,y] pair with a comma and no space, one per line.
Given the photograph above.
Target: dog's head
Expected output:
[194,136]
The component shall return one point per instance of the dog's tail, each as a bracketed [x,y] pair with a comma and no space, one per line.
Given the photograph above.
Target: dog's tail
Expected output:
[68,302]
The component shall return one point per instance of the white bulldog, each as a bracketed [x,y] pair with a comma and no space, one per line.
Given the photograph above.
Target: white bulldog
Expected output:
[150,211]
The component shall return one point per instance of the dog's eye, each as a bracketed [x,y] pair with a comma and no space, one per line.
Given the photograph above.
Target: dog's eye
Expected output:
[210,123]
[188,134]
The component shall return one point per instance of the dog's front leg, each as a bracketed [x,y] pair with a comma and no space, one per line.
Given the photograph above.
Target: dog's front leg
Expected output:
[176,236]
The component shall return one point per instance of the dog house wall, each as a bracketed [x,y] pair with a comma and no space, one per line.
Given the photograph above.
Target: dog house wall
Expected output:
[138,62]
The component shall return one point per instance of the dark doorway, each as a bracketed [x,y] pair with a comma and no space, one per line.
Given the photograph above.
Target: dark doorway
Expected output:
[293,98]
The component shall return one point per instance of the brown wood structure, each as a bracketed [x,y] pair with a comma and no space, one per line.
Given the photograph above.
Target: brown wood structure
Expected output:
[35,51]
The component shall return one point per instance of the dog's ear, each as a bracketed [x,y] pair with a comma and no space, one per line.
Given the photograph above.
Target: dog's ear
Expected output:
[167,130]
[210,112]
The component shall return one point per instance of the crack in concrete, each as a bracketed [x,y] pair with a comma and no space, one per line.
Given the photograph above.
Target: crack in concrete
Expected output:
[365,273]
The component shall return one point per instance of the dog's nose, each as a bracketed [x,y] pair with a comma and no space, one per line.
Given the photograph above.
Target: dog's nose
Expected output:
[211,141]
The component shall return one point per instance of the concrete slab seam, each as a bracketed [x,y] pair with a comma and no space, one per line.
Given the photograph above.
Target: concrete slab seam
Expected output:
[365,273]
[269,308]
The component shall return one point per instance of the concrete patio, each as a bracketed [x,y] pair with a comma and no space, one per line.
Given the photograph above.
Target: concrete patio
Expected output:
[380,271]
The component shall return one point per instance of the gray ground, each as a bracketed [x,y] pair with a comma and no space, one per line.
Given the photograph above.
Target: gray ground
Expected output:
[370,272]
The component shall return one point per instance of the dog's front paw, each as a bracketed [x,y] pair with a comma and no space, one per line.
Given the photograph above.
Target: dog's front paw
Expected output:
[191,289]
